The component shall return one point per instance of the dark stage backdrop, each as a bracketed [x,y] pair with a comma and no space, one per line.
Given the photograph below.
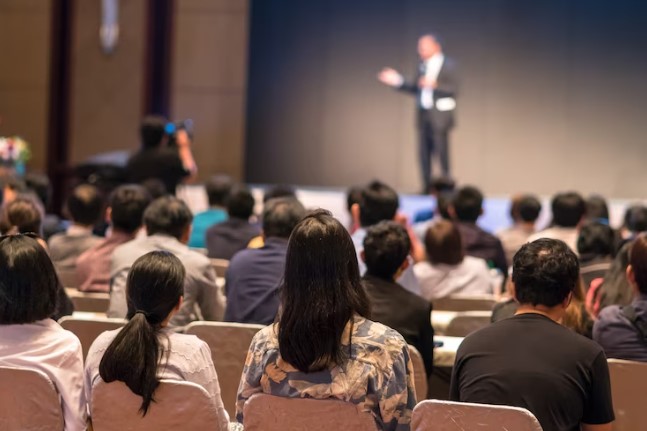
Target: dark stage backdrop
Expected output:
[553,93]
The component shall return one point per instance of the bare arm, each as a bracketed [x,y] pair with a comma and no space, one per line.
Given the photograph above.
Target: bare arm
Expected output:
[600,427]
[185,153]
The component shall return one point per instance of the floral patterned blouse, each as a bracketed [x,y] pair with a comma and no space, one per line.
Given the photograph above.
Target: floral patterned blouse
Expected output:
[378,375]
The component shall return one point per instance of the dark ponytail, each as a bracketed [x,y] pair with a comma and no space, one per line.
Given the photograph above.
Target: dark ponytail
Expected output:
[155,285]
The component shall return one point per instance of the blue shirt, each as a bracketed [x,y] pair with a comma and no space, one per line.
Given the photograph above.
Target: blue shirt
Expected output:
[252,282]
[202,222]
[618,336]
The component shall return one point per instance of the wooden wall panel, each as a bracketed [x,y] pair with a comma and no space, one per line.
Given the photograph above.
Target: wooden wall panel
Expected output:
[25,27]
[107,90]
[209,78]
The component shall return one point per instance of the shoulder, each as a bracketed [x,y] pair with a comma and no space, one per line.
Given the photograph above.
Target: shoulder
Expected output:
[367,335]
[192,258]
[475,263]
[188,346]
[422,269]
[266,339]
[57,238]
[64,338]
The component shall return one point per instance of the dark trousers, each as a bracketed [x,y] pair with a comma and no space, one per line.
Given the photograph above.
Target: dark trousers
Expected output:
[433,139]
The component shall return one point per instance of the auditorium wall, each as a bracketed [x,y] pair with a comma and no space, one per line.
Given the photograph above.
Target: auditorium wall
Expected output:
[552,93]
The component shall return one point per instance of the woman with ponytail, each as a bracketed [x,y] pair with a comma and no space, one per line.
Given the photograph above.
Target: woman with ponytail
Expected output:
[146,350]
[323,345]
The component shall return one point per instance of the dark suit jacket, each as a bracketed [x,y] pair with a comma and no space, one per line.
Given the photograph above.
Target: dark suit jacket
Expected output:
[447,87]
[229,237]
[479,243]
[409,314]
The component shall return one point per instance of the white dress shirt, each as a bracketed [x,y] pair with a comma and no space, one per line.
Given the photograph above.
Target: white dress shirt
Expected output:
[470,277]
[46,347]
[189,359]
[432,70]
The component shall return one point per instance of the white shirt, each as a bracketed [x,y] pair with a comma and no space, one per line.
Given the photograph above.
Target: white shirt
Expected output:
[567,234]
[432,70]
[189,359]
[470,277]
[46,347]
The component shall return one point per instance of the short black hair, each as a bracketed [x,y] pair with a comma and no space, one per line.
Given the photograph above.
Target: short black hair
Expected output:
[468,204]
[443,202]
[279,191]
[280,216]
[525,208]
[595,240]
[85,204]
[386,247]
[544,272]
[597,208]
[378,202]
[240,203]
[167,215]
[568,209]
[218,188]
[353,196]
[638,261]
[155,187]
[23,215]
[128,203]
[441,185]
[26,295]
[152,131]
[41,186]
[636,218]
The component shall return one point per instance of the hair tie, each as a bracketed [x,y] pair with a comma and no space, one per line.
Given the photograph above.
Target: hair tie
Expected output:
[142,312]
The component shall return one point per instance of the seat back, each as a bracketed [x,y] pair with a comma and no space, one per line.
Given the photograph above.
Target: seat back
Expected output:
[220,266]
[466,322]
[628,383]
[465,303]
[439,415]
[264,412]
[28,401]
[88,329]
[229,343]
[178,405]
[92,302]
[419,373]
[67,277]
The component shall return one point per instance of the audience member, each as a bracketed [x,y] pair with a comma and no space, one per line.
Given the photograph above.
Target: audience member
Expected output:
[597,209]
[229,237]
[386,252]
[156,188]
[635,222]
[466,208]
[353,196]
[569,210]
[254,275]
[448,270]
[322,345]
[218,188]
[437,187]
[29,338]
[531,361]
[40,185]
[168,223]
[145,350]
[21,215]
[595,246]
[157,159]
[84,207]
[379,202]
[273,192]
[614,288]
[622,330]
[125,212]
[524,212]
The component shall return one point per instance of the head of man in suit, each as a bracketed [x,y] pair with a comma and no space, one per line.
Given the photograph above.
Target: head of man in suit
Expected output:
[377,202]
[386,248]
[168,216]
[428,46]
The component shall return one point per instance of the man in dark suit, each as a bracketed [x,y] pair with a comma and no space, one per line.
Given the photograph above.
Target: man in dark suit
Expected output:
[386,250]
[435,88]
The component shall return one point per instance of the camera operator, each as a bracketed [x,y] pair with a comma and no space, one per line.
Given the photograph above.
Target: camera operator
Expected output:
[171,164]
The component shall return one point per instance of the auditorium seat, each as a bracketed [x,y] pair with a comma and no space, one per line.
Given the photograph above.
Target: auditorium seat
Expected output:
[466,322]
[220,265]
[264,412]
[87,329]
[628,383]
[178,405]
[465,303]
[419,373]
[229,343]
[436,415]
[28,401]
[67,277]
[92,302]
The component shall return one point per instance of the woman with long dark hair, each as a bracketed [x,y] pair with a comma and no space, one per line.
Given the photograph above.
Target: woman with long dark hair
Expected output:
[322,345]
[145,350]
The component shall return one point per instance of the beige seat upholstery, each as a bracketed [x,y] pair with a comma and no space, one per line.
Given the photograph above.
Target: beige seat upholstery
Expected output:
[92,302]
[220,265]
[465,303]
[229,343]
[628,383]
[466,322]
[28,401]
[419,373]
[264,412]
[178,406]
[88,329]
[67,277]
[436,415]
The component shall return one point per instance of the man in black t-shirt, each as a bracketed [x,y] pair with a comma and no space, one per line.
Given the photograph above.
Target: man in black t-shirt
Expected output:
[158,160]
[530,360]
